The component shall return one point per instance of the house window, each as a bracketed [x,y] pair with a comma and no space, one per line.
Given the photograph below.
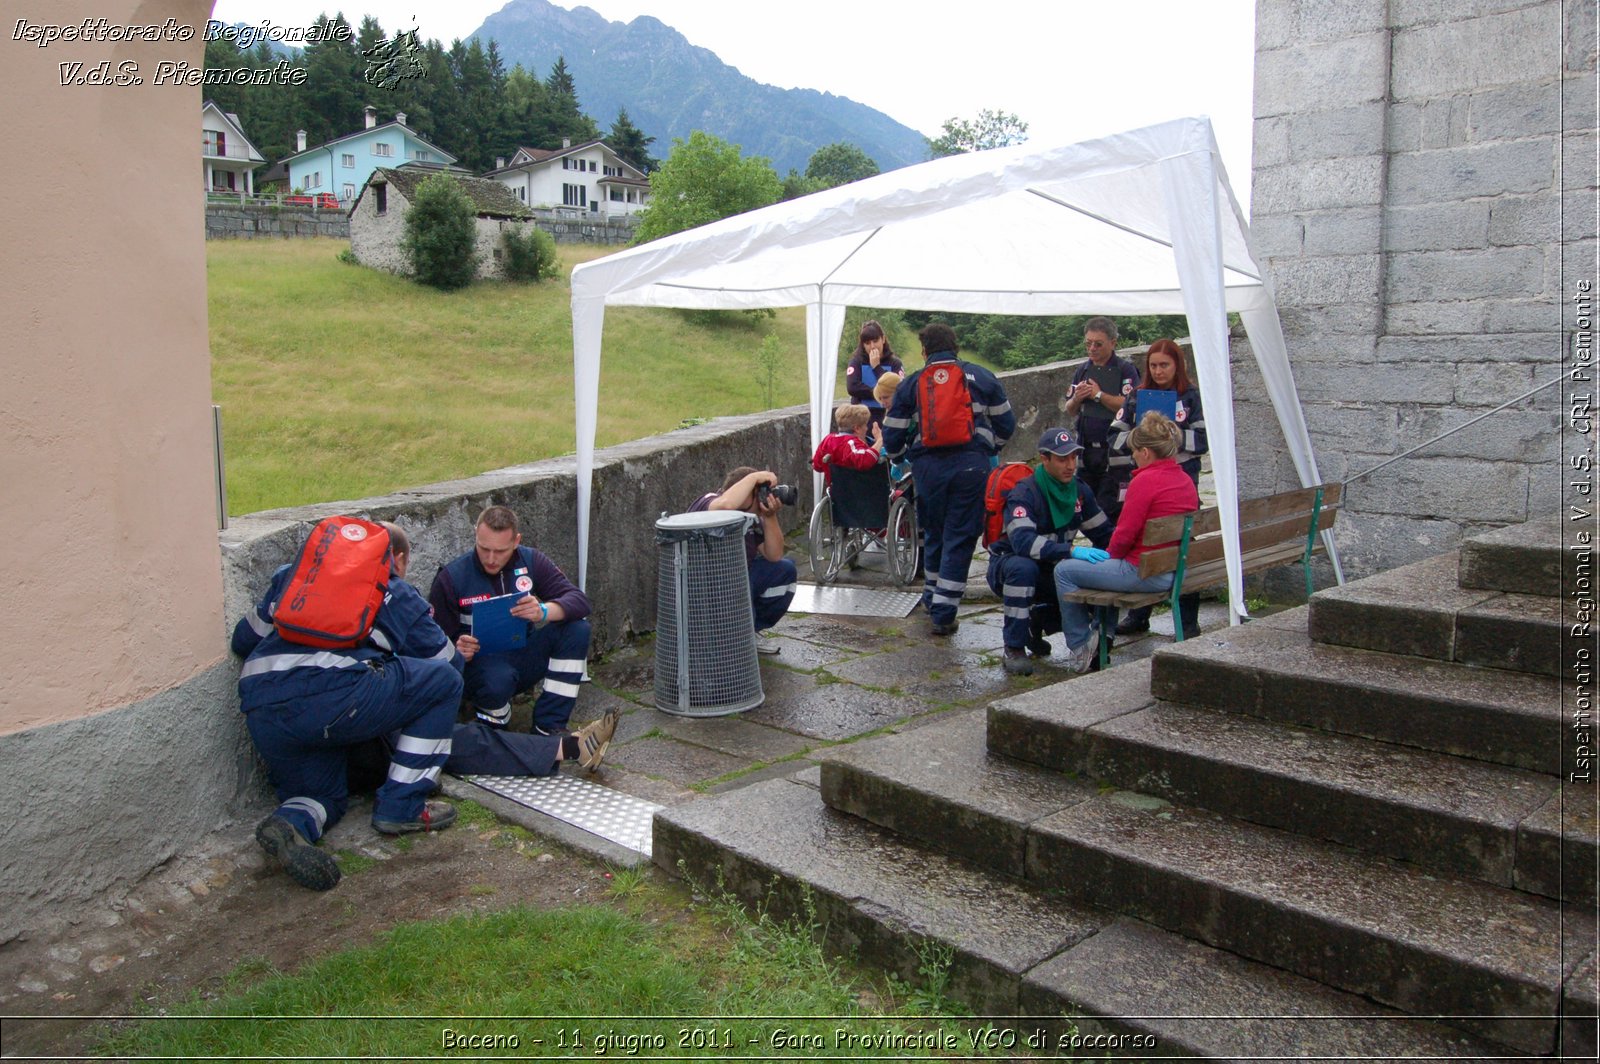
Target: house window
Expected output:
[382,194]
[383,150]
[349,192]
[616,195]
[347,161]
[522,194]
[574,196]
[222,179]
[592,167]
[215,142]
[314,180]
[420,156]
[566,164]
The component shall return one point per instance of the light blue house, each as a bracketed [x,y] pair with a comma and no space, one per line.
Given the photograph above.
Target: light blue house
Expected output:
[342,165]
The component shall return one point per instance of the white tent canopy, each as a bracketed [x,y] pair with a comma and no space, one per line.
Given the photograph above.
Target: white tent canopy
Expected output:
[1142,222]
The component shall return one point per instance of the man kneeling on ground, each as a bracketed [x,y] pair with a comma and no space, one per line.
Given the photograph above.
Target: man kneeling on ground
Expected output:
[557,647]
[309,710]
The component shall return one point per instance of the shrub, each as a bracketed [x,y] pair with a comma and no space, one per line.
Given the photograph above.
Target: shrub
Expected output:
[441,234]
[530,254]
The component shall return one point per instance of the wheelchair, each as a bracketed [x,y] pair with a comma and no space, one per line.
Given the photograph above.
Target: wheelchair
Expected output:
[861,508]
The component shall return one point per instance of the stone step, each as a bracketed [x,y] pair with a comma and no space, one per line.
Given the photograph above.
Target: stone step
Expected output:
[1448,814]
[1361,923]
[1420,610]
[1018,950]
[1525,559]
[1278,673]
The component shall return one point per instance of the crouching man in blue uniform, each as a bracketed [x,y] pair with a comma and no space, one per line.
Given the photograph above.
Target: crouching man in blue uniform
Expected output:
[950,479]
[558,646]
[1042,515]
[404,690]
[772,574]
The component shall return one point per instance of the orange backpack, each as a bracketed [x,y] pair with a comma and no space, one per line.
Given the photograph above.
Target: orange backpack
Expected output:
[1002,478]
[338,584]
[944,405]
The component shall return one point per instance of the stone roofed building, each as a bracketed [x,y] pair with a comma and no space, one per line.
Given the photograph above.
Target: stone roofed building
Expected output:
[377,221]
[1424,200]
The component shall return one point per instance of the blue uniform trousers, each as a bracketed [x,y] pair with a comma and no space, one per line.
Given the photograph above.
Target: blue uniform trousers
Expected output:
[481,750]
[950,510]
[554,653]
[771,590]
[306,742]
[1027,589]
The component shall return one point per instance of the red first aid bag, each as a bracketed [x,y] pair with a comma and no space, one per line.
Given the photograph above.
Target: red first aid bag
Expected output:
[1002,478]
[338,583]
[944,405]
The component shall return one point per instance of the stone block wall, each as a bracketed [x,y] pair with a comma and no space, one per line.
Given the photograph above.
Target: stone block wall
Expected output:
[249,221]
[1424,202]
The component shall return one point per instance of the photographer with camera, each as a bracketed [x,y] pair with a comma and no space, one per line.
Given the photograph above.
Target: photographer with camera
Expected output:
[772,576]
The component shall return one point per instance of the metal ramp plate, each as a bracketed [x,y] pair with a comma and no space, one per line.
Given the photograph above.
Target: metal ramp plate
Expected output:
[854,601]
[612,815]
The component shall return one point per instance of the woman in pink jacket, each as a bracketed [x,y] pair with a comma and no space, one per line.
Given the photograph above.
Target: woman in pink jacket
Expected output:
[1159,488]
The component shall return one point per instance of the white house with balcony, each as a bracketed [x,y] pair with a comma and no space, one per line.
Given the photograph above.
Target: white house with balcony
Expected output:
[587,177]
[228,157]
[341,166]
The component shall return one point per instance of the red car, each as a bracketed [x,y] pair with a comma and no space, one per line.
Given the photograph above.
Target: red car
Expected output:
[326,201]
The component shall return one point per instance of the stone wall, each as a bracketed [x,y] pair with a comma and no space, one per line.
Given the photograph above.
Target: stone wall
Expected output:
[1411,206]
[171,768]
[235,221]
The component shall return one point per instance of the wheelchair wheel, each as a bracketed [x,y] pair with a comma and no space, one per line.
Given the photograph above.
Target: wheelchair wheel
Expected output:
[825,552]
[905,544]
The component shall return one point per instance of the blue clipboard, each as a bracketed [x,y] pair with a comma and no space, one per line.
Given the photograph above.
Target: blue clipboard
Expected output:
[1166,402]
[493,626]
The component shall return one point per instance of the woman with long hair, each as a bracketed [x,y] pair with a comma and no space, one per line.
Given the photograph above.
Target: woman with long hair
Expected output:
[873,358]
[1164,370]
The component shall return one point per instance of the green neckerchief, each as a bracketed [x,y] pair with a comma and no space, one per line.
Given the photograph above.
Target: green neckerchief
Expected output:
[1061,498]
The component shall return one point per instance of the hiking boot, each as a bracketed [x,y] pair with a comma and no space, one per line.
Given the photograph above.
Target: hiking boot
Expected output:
[1016,662]
[308,866]
[1038,646]
[1133,624]
[947,628]
[593,738]
[436,816]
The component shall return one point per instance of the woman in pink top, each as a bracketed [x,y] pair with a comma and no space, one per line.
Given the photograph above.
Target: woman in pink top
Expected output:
[1159,488]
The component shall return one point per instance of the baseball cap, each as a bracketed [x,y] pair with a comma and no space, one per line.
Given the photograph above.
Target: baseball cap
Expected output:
[1059,442]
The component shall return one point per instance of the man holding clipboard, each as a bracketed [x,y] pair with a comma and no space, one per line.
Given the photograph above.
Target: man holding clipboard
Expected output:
[533,624]
[1098,389]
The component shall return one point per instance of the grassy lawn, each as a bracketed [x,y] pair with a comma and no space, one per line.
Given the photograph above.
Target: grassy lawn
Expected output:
[338,382]
[648,974]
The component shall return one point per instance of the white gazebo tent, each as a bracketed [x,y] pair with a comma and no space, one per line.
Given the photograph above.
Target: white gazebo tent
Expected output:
[1141,222]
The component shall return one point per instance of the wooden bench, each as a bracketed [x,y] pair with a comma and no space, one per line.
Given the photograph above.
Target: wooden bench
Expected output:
[1273,531]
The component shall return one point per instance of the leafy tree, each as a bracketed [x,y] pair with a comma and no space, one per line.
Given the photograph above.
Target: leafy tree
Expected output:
[991,129]
[530,254]
[630,143]
[796,185]
[562,119]
[441,232]
[704,179]
[335,91]
[839,164]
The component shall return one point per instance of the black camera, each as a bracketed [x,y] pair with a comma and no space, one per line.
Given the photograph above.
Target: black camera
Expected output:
[786,493]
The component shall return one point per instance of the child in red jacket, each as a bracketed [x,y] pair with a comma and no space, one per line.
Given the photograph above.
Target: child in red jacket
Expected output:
[849,445]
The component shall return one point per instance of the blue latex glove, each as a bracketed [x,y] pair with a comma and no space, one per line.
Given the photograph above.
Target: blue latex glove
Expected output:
[1093,555]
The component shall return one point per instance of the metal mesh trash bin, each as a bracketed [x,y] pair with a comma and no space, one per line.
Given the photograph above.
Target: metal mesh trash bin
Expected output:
[706,663]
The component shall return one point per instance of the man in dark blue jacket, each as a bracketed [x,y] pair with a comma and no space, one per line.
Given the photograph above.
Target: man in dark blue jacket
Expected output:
[308,709]
[1042,515]
[557,646]
[950,477]
[1098,390]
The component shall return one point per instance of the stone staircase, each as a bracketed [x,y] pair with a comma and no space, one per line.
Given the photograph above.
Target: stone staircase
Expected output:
[1340,831]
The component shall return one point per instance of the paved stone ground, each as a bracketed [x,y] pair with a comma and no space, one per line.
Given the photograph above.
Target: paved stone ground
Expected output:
[835,680]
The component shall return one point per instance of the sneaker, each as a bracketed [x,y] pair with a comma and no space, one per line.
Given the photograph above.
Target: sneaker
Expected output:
[593,738]
[436,816]
[308,866]
[1016,662]
[946,629]
[1080,658]
[1132,625]
[1038,646]
[766,643]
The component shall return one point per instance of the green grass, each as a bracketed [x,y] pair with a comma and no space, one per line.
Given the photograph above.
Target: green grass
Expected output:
[594,971]
[339,382]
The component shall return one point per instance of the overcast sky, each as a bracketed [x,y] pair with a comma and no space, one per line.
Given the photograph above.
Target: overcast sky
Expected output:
[1071,69]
